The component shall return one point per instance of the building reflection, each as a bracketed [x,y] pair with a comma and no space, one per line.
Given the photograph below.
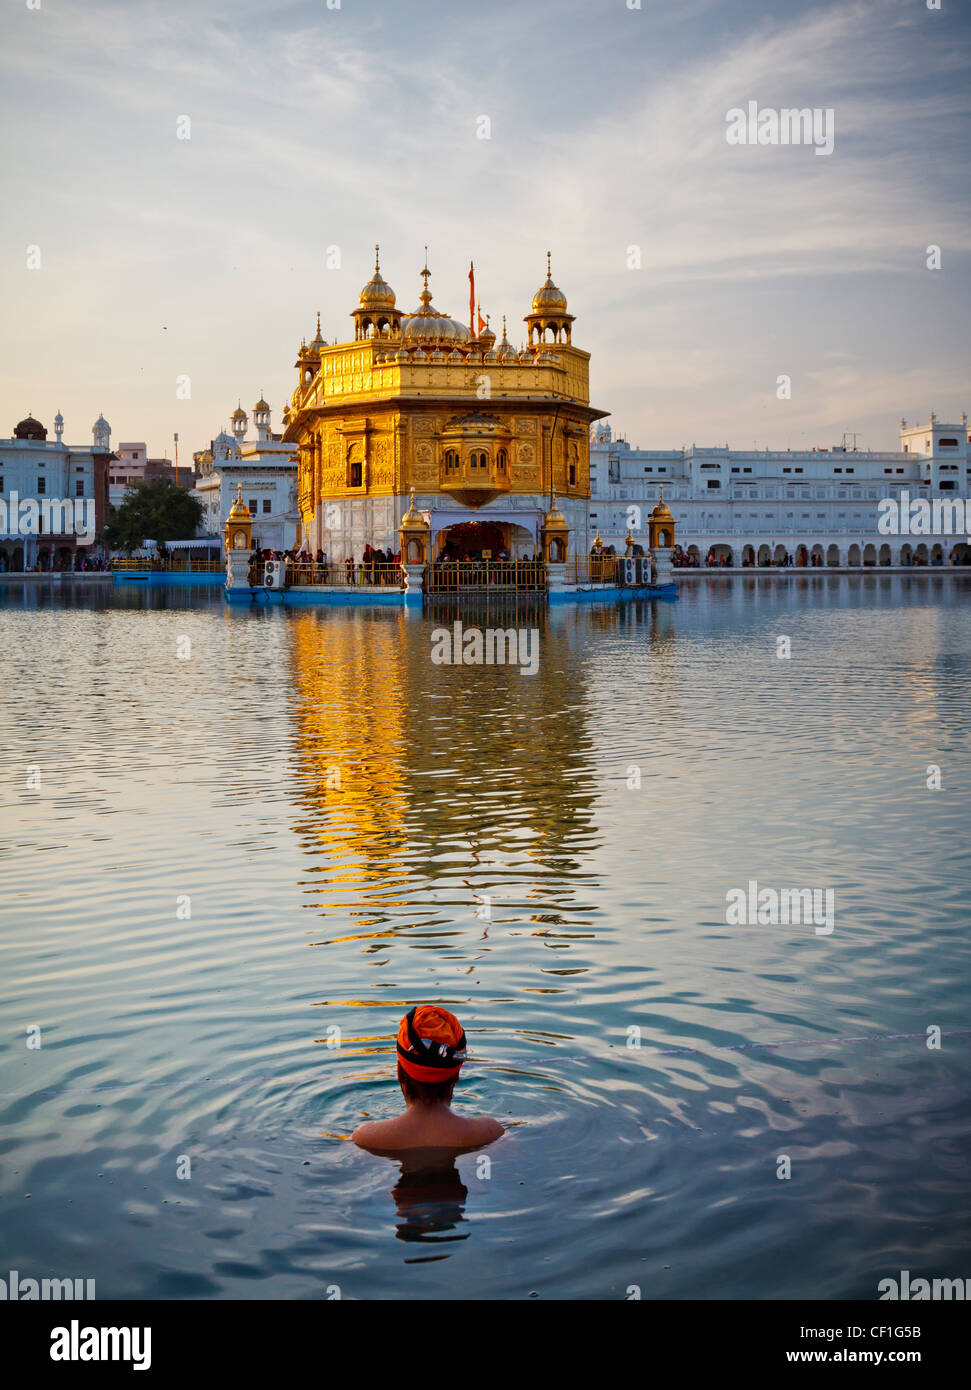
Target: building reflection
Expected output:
[417,781]
[350,748]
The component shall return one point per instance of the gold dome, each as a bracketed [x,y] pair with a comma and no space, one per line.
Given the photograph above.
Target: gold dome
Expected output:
[239,510]
[412,517]
[554,517]
[239,413]
[427,325]
[261,404]
[549,298]
[377,293]
[318,342]
[505,351]
[661,511]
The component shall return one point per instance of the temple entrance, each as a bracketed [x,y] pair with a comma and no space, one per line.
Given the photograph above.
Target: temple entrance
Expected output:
[468,539]
[490,557]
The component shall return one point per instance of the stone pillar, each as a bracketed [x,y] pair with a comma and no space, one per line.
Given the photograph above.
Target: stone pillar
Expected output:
[559,578]
[237,568]
[413,576]
[663,566]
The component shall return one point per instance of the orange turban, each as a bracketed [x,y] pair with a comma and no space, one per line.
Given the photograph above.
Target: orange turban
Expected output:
[431,1043]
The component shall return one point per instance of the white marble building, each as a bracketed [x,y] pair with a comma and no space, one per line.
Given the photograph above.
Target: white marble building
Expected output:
[35,467]
[267,470]
[754,506]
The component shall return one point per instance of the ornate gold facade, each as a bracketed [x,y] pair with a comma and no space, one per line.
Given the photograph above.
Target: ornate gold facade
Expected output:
[417,401]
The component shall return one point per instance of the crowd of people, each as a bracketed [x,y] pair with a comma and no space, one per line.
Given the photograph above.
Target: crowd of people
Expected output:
[448,557]
[303,567]
[455,571]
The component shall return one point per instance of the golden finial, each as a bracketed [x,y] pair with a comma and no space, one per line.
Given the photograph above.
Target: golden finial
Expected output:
[549,272]
[661,492]
[318,330]
[377,264]
[239,486]
[412,516]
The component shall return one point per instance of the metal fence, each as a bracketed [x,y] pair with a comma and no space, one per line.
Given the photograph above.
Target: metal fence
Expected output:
[341,574]
[465,576]
[592,569]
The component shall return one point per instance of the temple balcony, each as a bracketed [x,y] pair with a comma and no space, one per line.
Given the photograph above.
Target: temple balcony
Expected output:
[474,484]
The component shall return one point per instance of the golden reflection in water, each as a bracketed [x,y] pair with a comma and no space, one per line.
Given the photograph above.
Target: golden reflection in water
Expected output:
[417,781]
[350,747]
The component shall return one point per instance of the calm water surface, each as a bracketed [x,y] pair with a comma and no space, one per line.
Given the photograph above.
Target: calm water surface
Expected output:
[355,830]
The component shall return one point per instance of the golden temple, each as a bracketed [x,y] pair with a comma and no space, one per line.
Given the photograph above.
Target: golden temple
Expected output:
[482,432]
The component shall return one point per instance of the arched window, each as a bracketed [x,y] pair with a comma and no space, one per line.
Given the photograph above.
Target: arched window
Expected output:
[501,460]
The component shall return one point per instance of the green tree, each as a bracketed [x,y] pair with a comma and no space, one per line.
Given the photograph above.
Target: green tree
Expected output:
[156,510]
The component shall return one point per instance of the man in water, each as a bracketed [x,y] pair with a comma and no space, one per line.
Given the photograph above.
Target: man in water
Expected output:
[431,1050]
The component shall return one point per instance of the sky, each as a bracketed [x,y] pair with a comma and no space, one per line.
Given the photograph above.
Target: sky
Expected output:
[323,125]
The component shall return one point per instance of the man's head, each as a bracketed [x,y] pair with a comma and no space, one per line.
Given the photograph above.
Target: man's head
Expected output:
[431,1050]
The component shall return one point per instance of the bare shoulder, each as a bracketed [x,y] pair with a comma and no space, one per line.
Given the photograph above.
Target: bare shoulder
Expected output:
[484,1130]
[374,1134]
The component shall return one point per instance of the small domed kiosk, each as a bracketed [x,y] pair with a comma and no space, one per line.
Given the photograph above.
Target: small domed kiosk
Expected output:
[239,546]
[660,531]
[239,524]
[414,532]
[554,537]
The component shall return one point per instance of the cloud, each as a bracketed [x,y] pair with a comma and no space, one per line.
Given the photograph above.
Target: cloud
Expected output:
[312,128]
